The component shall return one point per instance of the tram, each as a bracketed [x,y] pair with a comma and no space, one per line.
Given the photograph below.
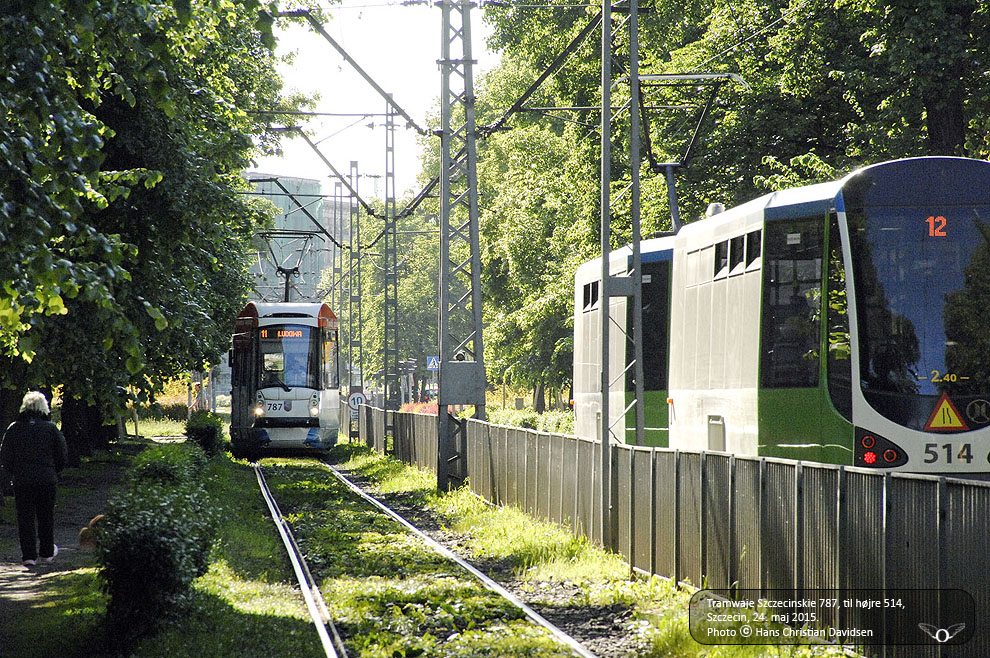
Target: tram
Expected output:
[846,322]
[284,376]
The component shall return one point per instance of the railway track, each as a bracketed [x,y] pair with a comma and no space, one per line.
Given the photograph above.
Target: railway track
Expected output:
[327,631]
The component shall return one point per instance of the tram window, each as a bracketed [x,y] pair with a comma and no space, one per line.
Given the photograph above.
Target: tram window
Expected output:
[753,246]
[736,250]
[839,344]
[721,258]
[590,295]
[791,315]
[656,298]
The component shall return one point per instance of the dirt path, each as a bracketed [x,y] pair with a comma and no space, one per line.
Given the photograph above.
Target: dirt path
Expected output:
[82,495]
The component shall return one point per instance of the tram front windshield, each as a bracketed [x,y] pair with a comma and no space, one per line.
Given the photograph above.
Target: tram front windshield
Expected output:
[922,280]
[290,356]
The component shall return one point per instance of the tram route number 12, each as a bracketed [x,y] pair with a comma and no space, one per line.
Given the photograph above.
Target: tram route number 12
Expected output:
[936,226]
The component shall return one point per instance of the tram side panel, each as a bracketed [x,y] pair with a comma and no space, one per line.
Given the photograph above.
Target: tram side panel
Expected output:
[714,339]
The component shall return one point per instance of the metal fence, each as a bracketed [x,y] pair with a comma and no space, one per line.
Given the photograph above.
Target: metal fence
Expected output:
[722,521]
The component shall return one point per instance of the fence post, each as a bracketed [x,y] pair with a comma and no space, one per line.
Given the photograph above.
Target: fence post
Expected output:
[798,530]
[677,516]
[653,512]
[703,516]
[733,552]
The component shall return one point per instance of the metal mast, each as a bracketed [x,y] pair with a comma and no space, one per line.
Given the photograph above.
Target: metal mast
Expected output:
[462,370]
[631,286]
[355,359]
[390,363]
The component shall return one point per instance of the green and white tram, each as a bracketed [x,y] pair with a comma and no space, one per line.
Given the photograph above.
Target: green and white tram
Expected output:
[284,375]
[846,322]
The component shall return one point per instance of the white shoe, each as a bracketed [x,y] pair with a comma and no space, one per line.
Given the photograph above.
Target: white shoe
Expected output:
[29,563]
[49,560]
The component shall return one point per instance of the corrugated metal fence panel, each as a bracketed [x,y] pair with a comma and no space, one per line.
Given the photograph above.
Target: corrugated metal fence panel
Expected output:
[777,528]
[861,542]
[689,567]
[523,483]
[543,475]
[587,492]
[642,513]
[516,459]
[912,557]
[818,515]
[746,518]
[622,501]
[665,512]
[429,427]
[568,495]
[556,477]
[531,495]
[964,543]
[716,520]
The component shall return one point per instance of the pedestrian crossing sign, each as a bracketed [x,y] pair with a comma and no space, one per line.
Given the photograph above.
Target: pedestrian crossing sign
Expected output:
[433,363]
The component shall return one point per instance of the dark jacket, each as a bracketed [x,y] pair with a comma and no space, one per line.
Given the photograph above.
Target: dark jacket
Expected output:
[33,450]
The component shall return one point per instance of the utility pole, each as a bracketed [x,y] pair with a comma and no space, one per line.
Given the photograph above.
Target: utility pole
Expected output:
[355,359]
[629,286]
[462,369]
[390,362]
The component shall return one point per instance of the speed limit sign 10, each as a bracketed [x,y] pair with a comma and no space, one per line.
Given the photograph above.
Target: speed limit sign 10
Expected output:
[356,399]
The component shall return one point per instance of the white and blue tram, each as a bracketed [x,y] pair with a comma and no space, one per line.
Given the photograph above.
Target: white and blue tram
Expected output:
[845,322]
[284,377]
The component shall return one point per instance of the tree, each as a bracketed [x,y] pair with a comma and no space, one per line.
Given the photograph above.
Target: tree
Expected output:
[833,85]
[145,253]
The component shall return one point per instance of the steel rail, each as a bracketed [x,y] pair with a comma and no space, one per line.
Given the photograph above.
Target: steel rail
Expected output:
[560,635]
[307,584]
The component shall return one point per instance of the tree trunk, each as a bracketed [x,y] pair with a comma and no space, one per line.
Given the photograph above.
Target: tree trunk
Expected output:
[946,122]
[539,399]
[83,428]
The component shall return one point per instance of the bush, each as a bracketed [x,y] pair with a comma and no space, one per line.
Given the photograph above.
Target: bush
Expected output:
[177,412]
[206,430]
[155,539]
[554,422]
[420,407]
[175,463]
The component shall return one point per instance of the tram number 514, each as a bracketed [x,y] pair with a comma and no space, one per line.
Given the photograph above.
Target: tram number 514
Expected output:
[934,453]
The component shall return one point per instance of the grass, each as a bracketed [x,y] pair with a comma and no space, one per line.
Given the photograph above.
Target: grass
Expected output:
[545,554]
[389,593]
[393,597]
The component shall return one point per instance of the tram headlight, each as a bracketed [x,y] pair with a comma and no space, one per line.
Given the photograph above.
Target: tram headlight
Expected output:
[259,404]
[314,405]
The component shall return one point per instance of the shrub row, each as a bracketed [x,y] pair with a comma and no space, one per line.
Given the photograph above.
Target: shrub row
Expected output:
[155,540]
[554,422]
[177,412]
[205,429]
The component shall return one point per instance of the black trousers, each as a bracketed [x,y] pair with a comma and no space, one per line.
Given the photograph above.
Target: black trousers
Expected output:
[35,519]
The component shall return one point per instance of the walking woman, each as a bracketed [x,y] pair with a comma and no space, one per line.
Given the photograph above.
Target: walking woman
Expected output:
[33,452]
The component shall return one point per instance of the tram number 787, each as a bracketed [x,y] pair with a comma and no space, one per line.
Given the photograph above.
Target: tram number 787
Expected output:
[934,452]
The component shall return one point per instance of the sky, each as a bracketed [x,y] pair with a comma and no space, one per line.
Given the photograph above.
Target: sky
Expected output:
[398,46]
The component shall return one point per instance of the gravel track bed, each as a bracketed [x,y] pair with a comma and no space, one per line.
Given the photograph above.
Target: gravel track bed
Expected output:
[608,631]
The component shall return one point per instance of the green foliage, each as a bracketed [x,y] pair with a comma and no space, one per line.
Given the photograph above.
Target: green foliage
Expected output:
[205,429]
[554,422]
[154,541]
[169,463]
[124,234]
[832,85]
[156,411]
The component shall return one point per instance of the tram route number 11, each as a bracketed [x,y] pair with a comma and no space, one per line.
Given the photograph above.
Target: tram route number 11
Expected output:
[936,226]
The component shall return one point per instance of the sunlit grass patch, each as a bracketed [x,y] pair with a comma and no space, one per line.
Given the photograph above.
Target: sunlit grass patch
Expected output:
[66,620]
[252,596]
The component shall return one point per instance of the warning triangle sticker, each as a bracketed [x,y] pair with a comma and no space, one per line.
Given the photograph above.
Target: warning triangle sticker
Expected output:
[945,417]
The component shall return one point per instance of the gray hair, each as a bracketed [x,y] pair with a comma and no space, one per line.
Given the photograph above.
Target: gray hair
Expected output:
[36,402]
